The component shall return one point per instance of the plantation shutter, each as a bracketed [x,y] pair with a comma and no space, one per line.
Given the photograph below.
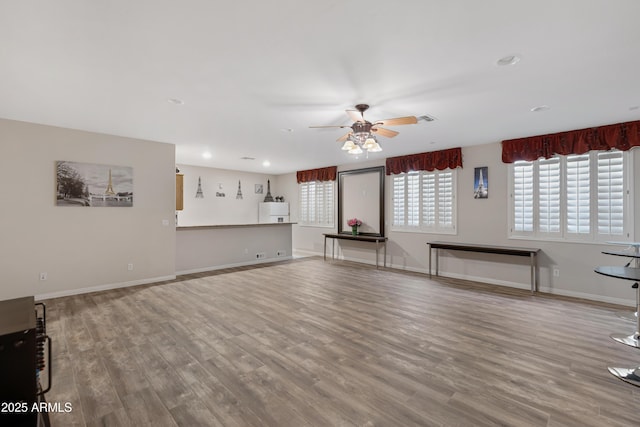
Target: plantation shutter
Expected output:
[429,200]
[413,199]
[316,203]
[313,201]
[304,202]
[523,196]
[398,199]
[549,195]
[610,193]
[578,194]
[445,199]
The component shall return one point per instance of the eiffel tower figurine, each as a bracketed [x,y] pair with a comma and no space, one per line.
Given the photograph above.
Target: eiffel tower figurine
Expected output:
[199,193]
[109,191]
[268,197]
[239,195]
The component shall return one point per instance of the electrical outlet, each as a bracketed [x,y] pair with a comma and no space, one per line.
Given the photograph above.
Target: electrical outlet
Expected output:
[261,255]
[281,253]
[130,266]
[43,275]
[556,272]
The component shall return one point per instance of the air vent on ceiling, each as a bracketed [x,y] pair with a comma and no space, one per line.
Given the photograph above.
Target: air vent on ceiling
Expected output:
[426,118]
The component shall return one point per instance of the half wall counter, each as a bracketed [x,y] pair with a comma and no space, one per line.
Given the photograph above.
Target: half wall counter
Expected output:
[212,247]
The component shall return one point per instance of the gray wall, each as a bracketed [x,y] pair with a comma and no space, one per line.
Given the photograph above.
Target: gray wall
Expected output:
[483,221]
[81,248]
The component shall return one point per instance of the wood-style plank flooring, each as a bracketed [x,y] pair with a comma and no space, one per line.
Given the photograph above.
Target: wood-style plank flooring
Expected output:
[309,343]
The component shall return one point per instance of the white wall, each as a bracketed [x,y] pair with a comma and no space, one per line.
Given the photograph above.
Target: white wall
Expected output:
[483,221]
[81,248]
[212,210]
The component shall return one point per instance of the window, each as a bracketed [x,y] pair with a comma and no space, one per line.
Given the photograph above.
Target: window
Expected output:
[316,203]
[575,197]
[424,201]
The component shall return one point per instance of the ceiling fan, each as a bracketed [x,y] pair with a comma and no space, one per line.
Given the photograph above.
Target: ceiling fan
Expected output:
[363,133]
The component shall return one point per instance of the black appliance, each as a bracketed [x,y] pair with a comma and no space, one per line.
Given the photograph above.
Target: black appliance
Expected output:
[23,341]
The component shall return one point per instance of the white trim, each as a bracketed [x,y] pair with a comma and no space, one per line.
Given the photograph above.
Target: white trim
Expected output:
[301,253]
[232,265]
[619,301]
[78,291]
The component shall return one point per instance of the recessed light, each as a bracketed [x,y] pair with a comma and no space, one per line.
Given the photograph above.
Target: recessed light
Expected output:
[432,142]
[175,101]
[540,108]
[247,158]
[206,155]
[266,163]
[508,60]
[286,130]
[634,107]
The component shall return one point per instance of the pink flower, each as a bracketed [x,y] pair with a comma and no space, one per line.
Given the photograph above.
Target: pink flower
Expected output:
[354,222]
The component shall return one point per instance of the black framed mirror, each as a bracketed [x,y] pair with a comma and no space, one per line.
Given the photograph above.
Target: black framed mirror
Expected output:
[361,196]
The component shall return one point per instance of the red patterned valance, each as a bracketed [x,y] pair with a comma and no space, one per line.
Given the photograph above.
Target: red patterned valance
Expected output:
[430,161]
[322,174]
[621,136]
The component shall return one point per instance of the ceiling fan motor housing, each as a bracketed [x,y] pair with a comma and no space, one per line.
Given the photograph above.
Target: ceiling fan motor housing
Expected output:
[361,127]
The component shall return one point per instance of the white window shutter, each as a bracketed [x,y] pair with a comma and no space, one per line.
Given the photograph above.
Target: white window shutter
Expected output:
[523,197]
[610,193]
[316,203]
[578,194]
[429,200]
[549,195]
[445,200]
[398,200]
[413,199]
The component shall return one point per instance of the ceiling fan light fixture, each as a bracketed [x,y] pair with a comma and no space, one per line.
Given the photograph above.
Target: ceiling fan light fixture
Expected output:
[375,148]
[356,150]
[348,145]
[369,142]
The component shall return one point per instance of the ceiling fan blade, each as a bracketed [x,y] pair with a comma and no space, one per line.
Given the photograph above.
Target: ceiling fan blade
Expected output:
[355,115]
[344,137]
[384,132]
[320,127]
[409,120]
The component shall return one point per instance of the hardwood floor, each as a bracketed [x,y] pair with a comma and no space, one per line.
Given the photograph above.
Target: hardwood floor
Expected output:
[309,343]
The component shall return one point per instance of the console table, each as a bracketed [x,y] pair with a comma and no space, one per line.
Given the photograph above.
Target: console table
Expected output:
[489,249]
[630,375]
[359,238]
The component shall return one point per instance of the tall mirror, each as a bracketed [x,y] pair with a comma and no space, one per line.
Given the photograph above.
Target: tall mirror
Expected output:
[361,195]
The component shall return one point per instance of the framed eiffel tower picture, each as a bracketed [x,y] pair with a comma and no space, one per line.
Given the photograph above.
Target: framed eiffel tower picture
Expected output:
[93,185]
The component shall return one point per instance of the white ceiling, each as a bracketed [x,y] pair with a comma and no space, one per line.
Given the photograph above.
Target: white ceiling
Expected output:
[249,70]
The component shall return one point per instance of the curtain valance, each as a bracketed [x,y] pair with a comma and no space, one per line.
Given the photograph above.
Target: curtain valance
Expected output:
[443,159]
[621,136]
[321,174]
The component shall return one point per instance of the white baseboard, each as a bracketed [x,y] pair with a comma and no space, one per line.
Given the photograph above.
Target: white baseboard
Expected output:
[301,253]
[232,265]
[620,301]
[98,288]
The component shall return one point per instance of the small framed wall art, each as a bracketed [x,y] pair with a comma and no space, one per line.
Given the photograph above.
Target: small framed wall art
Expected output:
[481,183]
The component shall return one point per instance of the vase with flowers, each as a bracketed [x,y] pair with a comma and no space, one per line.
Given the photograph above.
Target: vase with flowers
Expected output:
[354,223]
